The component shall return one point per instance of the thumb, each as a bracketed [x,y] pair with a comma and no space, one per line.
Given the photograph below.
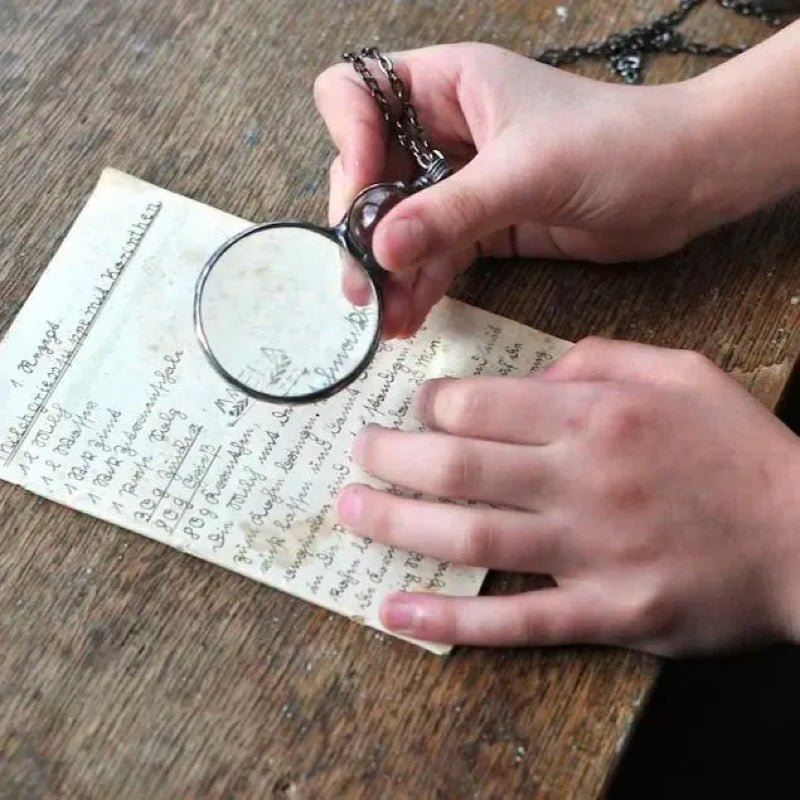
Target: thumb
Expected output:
[484,196]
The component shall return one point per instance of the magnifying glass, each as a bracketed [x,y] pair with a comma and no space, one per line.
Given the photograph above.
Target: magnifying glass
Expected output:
[270,310]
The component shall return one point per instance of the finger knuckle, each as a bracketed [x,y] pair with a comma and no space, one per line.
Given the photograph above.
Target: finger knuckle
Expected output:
[619,418]
[449,625]
[580,356]
[635,549]
[477,544]
[462,407]
[377,514]
[465,208]
[456,471]
[534,628]
[621,492]
[578,415]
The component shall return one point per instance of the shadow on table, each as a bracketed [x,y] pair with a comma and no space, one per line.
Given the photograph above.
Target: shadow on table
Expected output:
[718,728]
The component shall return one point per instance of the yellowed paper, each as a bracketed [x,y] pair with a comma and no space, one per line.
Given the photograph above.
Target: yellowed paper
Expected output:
[108,406]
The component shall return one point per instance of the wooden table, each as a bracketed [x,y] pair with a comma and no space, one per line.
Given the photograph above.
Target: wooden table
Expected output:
[128,670]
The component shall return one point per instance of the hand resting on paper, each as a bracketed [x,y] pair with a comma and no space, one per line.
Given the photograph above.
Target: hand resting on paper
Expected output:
[657,492]
[553,165]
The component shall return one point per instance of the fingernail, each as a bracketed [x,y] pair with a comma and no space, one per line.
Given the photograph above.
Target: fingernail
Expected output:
[348,505]
[401,614]
[407,237]
[359,443]
[357,449]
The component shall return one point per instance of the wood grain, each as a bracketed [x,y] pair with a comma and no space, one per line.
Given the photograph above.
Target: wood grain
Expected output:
[129,670]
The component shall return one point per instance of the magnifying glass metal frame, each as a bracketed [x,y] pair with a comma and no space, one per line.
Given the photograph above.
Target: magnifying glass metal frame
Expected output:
[354,235]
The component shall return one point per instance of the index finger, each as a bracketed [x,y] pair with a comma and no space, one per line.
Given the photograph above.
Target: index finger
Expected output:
[356,126]
[524,411]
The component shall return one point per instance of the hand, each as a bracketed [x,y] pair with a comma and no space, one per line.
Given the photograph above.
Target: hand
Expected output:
[658,493]
[550,165]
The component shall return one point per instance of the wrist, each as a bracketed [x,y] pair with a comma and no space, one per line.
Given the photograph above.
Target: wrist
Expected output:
[743,124]
[786,554]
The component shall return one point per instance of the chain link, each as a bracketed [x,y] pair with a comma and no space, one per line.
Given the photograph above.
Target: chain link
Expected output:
[405,125]
[625,53]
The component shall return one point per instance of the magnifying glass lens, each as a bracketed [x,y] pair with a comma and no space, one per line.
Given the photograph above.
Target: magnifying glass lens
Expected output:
[274,317]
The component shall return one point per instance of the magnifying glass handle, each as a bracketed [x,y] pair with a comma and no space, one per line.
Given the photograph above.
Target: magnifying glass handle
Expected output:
[436,171]
[356,230]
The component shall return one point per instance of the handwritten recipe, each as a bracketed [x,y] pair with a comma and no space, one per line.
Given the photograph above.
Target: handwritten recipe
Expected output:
[108,406]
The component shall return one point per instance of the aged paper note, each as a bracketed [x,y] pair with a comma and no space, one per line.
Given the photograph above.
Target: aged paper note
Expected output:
[108,406]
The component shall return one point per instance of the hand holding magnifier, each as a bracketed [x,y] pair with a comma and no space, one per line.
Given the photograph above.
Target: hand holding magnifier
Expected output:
[269,309]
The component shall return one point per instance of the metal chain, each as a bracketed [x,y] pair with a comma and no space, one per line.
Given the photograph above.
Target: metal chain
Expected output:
[625,53]
[405,126]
